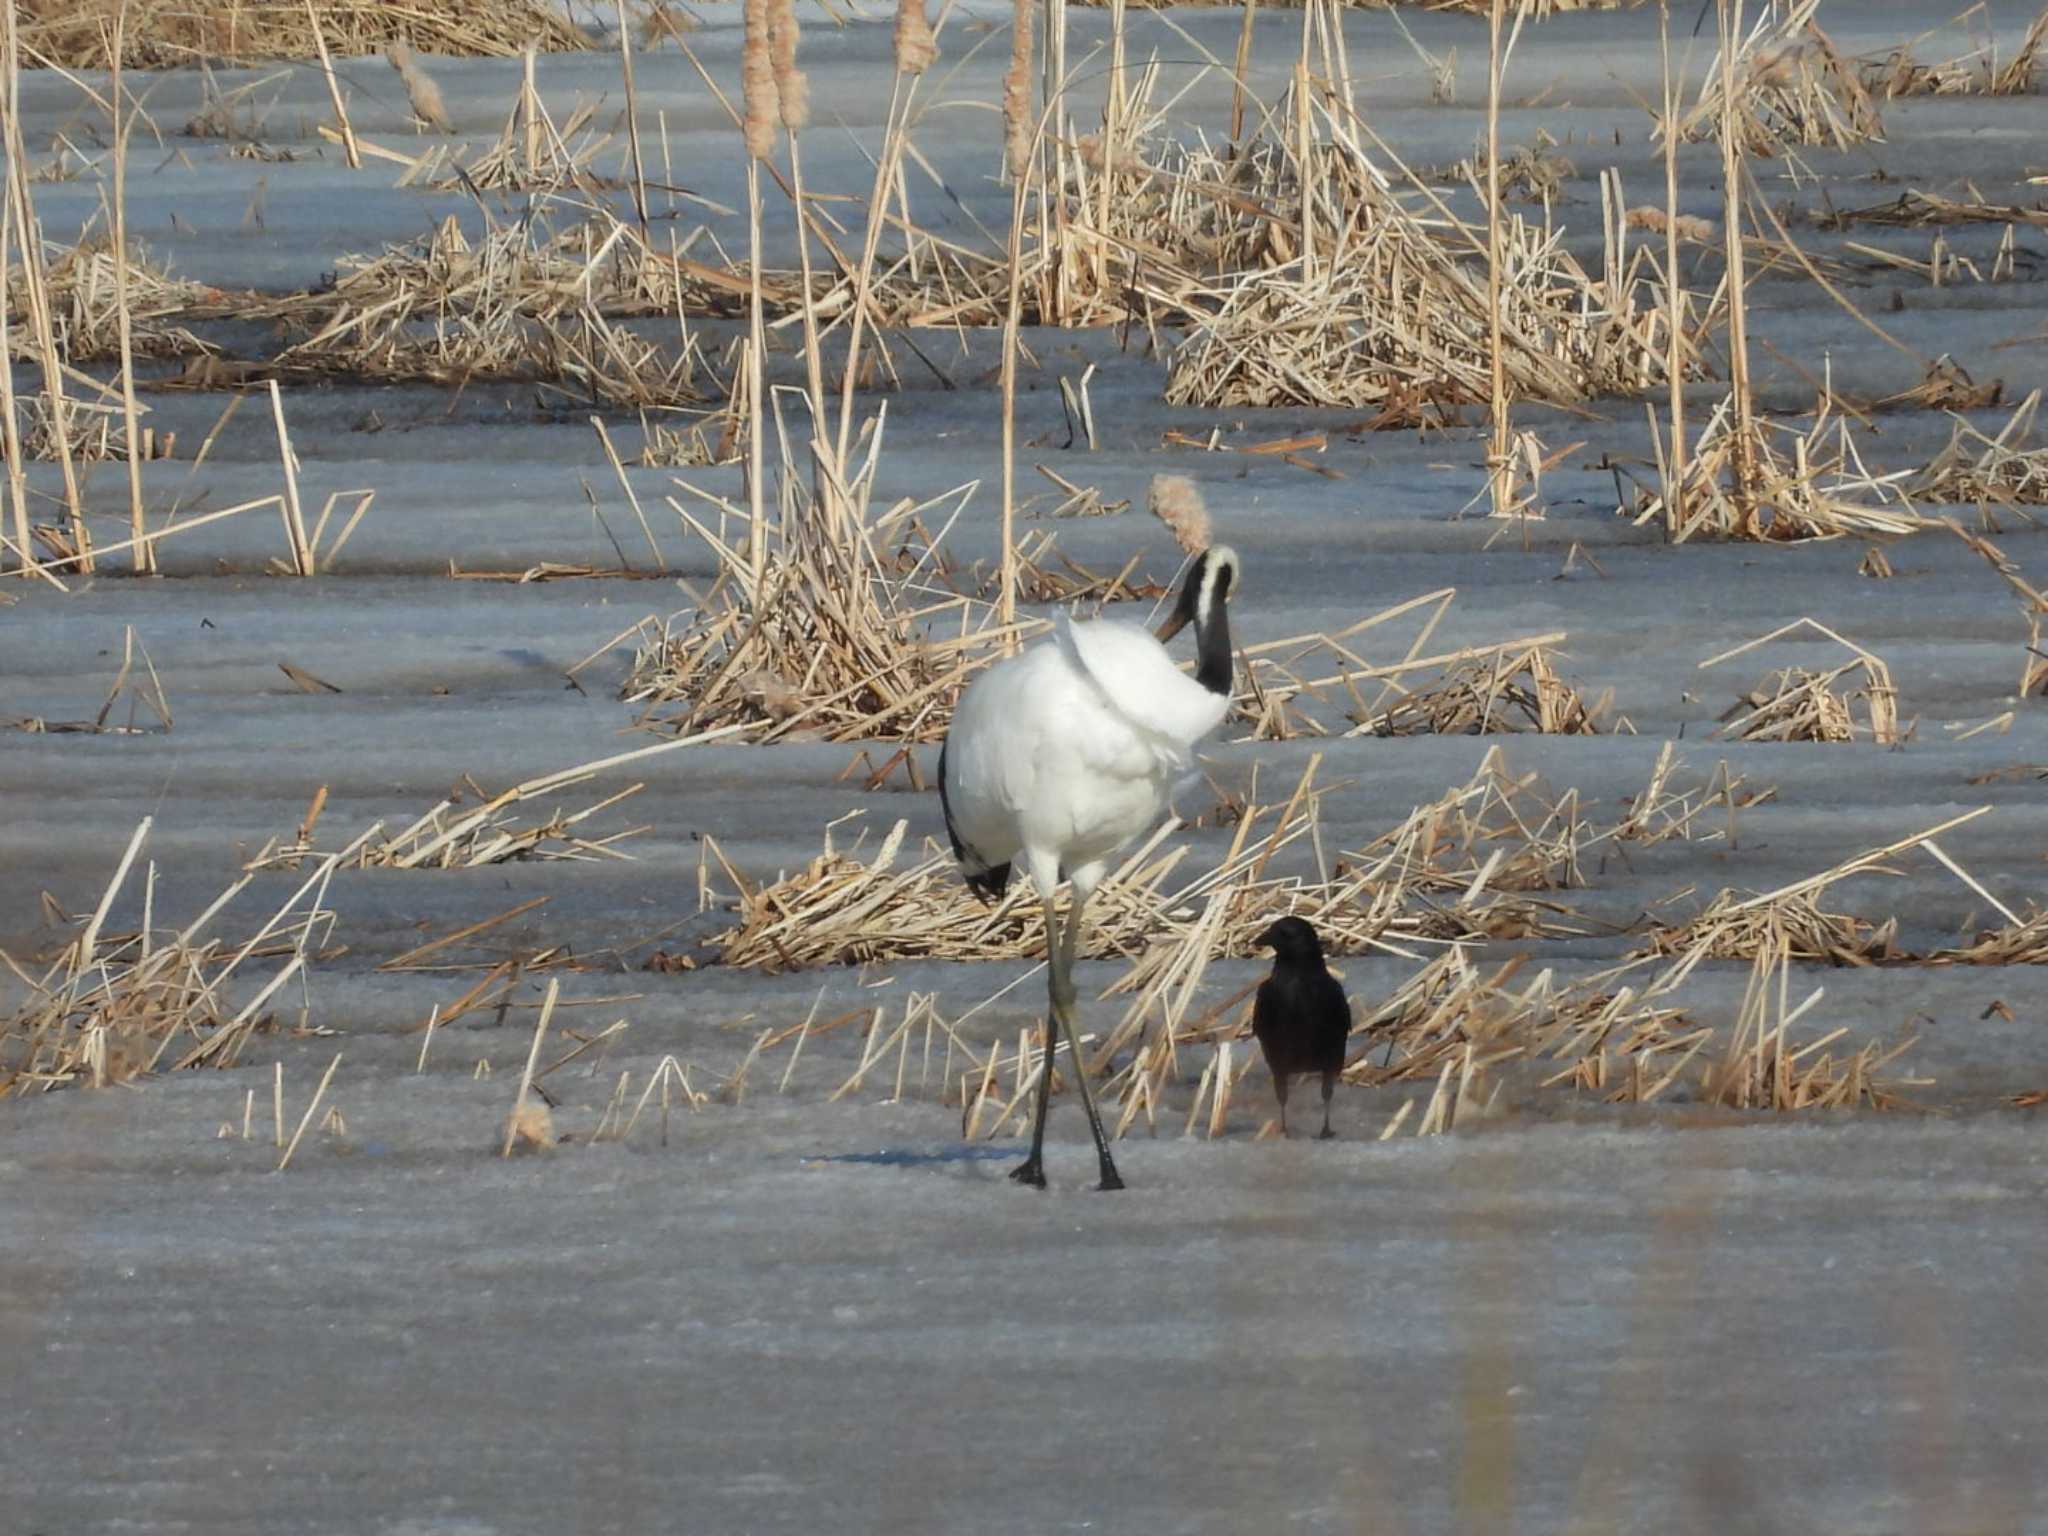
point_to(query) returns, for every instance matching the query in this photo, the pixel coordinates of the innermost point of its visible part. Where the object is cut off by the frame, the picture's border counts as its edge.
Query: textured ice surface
(800, 1313)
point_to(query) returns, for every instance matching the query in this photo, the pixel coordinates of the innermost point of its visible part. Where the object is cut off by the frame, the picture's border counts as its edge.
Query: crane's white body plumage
(1063, 756)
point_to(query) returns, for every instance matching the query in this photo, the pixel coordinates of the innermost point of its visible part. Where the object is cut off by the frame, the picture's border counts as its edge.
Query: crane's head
(1205, 593)
(1292, 939)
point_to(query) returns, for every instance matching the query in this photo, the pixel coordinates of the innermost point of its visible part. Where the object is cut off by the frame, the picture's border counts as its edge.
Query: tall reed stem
(143, 556)
(1674, 490)
(1744, 457)
(1497, 454)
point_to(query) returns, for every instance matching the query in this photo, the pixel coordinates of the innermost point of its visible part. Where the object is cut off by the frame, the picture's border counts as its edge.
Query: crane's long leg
(1062, 988)
(1032, 1170)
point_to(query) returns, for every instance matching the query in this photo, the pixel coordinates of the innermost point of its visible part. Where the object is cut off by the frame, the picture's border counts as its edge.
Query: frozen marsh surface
(788, 1308)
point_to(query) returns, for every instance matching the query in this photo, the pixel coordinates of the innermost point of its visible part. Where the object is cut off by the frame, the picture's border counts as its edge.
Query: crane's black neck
(1212, 648)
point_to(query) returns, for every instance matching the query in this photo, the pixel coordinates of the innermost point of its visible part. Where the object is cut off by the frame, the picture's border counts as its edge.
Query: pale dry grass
(112, 1007)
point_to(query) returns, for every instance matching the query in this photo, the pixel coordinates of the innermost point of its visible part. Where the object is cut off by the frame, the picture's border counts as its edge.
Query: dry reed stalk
(10, 419)
(143, 556)
(757, 74)
(1794, 704)
(540, 1029)
(294, 518)
(2016, 76)
(2033, 607)
(448, 837)
(1677, 465)
(312, 1106)
(792, 94)
(420, 90)
(632, 118)
(36, 292)
(350, 152)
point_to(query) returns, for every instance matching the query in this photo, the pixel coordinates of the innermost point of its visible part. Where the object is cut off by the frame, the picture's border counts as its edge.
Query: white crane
(1064, 756)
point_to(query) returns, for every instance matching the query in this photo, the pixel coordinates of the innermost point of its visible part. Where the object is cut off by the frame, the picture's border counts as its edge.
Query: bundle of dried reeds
(830, 637)
(1741, 484)
(1795, 704)
(1389, 304)
(111, 1007)
(1792, 87)
(82, 290)
(1761, 1068)
(164, 34)
(2005, 469)
(526, 301)
(451, 837)
(1734, 926)
(2021, 940)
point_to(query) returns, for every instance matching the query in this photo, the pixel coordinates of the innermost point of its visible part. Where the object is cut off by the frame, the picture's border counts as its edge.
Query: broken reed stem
(1744, 457)
(1237, 75)
(36, 292)
(143, 556)
(632, 122)
(349, 151)
(1497, 454)
(1674, 488)
(307, 1118)
(10, 427)
(792, 94)
(540, 1030)
(894, 132)
(294, 518)
(1006, 580)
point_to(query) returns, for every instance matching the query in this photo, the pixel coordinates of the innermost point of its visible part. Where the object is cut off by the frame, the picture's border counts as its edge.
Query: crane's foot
(1110, 1180)
(1326, 1134)
(1031, 1171)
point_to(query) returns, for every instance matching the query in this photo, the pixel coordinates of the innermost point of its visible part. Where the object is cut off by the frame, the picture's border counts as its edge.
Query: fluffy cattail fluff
(757, 77)
(1017, 89)
(792, 90)
(915, 48)
(531, 1127)
(1177, 502)
(1700, 231)
(420, 89)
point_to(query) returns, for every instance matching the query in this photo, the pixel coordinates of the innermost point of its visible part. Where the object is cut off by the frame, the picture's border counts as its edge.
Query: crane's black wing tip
(987, 884)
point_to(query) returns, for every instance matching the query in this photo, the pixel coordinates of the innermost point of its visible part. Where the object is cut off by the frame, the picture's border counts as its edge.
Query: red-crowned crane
(1062, 757)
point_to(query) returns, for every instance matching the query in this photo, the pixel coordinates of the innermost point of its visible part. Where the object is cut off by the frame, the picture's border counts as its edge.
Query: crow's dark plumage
(1302, 1017)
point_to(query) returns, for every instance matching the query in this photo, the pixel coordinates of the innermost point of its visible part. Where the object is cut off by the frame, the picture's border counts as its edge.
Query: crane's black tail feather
(987, 881)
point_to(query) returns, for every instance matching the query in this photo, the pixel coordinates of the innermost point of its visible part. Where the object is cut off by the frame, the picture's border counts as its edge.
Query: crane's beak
(1175, 623)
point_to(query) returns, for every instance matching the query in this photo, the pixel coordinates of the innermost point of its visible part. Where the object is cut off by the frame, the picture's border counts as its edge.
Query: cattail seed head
(792, 88)
(1017, 89)
(757, 80)
(420, 89)
(1177, 502)
(915, 46)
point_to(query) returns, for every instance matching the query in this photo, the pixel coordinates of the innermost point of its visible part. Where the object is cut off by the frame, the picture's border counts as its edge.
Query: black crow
(1302, 1017)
